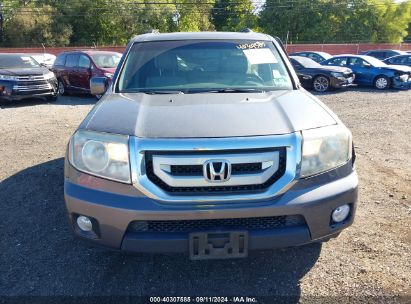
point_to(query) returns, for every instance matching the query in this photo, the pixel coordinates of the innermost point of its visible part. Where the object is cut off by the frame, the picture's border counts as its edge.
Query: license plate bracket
(218, 245)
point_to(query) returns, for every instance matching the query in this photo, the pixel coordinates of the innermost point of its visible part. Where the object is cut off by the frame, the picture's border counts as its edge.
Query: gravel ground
(38, 256)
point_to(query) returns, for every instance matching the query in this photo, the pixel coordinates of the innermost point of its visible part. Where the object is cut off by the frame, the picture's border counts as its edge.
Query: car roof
(400, 55)
(365, 57)
(200, 36)
(39, 54)
(15, 54)
(314, 52)
(89, 52)
(300, 57)
(384, 50)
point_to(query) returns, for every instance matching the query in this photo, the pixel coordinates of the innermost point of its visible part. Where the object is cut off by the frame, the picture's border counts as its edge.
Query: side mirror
(98, 85)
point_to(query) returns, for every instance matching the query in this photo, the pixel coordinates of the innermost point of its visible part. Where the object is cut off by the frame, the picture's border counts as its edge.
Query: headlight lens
(7, 77)
(49, 75)
(404, 77)
(324, 149)
(337, 74)
(101, 154)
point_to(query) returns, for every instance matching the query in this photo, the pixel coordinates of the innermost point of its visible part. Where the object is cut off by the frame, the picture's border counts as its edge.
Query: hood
(334, 69)
(401, 68)
(24, 71)
(208, 114)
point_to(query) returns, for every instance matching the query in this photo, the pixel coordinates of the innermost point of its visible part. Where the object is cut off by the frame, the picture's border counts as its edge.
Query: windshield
(306, 62)
(105, 61)
(17, 62)
(203, 65)
(374, 61)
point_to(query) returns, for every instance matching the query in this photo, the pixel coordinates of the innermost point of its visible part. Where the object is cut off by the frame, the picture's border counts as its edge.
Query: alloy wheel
(61, 88)
(321, 84)
(381, 83)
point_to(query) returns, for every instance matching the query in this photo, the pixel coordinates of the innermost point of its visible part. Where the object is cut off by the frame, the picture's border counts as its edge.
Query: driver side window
(314, 57)
(340, 61)
(358, 62)
(84, 62)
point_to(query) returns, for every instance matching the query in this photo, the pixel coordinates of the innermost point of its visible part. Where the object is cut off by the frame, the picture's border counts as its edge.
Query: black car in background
(399, 60)
(22, 77)
(321, 78)
(316, 56)
(383, 54)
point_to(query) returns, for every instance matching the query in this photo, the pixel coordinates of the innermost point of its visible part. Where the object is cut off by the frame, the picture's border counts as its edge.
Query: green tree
(233, 15)
(337, 21)
(193, 15)
(31, 26)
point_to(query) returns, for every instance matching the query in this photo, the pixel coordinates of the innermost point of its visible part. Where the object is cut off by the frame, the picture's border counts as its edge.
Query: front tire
(382, 82)
(321, 84)
(61, 88)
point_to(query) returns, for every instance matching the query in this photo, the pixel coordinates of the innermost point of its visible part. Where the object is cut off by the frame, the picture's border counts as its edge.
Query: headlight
(7, 77)
(101, 154)
(337, 75)
(324, 149)
(49, 75)
(109, 75)
(404, 77)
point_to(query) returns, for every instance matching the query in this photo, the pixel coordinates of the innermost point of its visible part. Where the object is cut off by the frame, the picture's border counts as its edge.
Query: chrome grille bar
(30, 78)
(162, 168)
(32, 87)
(139, 146)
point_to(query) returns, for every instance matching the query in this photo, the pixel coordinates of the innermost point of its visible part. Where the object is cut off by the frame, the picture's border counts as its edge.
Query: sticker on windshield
(255, 45)
(260, 56)
(276, 74)
(25, 58)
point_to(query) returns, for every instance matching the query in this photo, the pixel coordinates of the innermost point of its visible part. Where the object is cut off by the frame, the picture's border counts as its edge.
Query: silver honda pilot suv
(205, 143)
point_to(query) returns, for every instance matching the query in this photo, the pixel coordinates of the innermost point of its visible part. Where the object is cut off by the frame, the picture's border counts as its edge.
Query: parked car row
(74, 70)
(321, 71)
(45, 75)
(32, 75)
(23, 77)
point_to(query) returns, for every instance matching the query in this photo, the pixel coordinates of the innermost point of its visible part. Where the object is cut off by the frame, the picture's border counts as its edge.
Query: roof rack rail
(153, 31)
(246, 30)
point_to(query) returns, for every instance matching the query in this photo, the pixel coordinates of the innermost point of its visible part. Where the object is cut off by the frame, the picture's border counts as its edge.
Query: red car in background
(74, 69)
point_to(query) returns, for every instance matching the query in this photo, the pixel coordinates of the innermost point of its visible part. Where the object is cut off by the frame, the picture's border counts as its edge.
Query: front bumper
(114, 206)
(12, 90)
(402, 85)
(342, 82)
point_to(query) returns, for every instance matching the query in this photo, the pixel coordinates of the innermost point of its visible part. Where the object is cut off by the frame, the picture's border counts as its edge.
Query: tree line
(114, 22)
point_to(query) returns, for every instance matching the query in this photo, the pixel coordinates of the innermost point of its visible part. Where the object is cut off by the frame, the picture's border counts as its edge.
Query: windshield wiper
(231, 90)
(154, 92)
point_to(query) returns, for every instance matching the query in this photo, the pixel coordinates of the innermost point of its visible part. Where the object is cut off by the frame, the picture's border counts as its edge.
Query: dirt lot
(38, 256)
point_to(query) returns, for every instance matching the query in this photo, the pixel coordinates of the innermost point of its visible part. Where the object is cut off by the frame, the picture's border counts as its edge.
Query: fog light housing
(84, 223)
(340, 213)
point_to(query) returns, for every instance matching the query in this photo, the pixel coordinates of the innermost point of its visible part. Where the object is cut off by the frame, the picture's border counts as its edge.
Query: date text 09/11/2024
(214, 299)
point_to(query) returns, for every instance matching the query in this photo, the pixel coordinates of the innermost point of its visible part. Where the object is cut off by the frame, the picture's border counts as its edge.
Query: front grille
(32, 85)
(30, 78)
(248, 224)
(195, 170)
